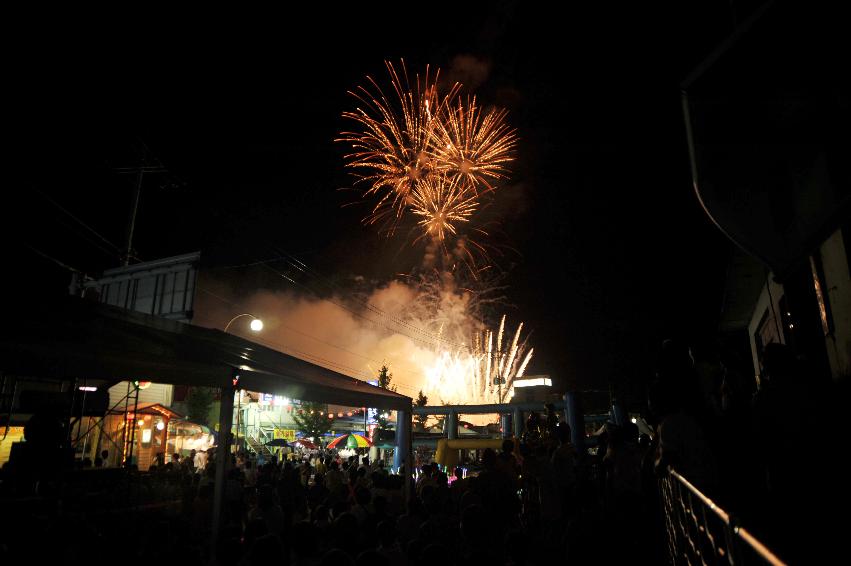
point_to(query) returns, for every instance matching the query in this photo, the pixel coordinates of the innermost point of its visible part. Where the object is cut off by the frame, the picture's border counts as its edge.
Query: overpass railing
(701, 532)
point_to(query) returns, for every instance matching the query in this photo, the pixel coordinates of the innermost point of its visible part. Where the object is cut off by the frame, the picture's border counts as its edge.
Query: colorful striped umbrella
(350, 441)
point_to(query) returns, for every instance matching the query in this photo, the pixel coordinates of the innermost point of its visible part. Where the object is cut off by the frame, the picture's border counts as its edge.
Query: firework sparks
(391, 153)
(435, 158)
(472, 146)
(441, 204)
(484, 374)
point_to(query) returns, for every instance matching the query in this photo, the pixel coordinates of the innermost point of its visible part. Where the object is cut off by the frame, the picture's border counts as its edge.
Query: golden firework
(473, 146)
(391, 152)
(482, 374)
(440, 205)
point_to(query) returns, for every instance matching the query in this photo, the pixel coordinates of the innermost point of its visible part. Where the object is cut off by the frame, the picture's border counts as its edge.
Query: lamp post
(256, 325)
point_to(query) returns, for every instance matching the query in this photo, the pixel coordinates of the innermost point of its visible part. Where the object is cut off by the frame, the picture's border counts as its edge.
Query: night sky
(613, 250)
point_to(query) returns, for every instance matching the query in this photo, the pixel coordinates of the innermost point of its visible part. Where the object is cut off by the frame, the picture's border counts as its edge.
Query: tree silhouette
(384, 379)
(198, 405)
(312, 420)
(421, 401)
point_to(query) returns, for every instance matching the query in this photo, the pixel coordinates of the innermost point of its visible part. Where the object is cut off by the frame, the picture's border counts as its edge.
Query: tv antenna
(148, 163)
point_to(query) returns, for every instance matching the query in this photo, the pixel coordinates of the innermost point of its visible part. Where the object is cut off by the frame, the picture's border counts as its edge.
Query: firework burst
(441, 204)
(391, 152)
(433, 160)
(473, 147)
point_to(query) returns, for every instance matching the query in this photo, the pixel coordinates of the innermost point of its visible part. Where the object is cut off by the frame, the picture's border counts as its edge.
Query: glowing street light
(256, 324)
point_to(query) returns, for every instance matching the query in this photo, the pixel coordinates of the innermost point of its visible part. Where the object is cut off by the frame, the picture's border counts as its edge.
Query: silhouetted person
(797, 483)
(677, 405)
(564, 462)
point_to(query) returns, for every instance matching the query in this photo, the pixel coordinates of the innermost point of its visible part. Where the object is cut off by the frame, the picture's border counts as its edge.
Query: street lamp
(256, 324)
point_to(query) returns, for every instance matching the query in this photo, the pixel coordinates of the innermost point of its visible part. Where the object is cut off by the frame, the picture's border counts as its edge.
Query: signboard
(287, 434)
(14, 431)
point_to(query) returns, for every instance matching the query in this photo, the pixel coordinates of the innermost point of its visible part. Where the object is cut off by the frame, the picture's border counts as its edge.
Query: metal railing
(701, 532)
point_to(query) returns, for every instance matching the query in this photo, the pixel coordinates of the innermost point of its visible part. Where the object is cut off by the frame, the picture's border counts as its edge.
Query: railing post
(576, 420)
(517, 425)
(452, 425)
(618, 413)
(505, 425)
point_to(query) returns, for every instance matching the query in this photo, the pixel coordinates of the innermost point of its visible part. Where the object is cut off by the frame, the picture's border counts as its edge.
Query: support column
(505, 425)
(576, 420)
(618, 413)
(518, 423)
(222, 456)
(402, 454)
(452, 425)
(403, 439)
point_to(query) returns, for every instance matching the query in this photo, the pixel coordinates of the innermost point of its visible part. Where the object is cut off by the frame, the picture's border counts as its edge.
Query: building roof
(77, 338)
(148, 409)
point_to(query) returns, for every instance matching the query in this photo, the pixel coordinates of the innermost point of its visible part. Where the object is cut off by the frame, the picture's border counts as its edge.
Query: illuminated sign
(287, 434)
(531, 382)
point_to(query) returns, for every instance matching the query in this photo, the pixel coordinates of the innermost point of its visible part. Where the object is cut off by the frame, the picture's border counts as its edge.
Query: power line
(335, 346)
(250, 264)
(88, 240)
(53, 259)
(304, 268)
(352, 311)
(299, 265)
(80, 222)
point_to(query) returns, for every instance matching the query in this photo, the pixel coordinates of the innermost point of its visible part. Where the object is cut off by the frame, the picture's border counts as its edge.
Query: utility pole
(144, 167)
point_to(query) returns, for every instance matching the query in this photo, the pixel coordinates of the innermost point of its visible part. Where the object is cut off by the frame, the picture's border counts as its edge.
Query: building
(767, 126)
(533, 388)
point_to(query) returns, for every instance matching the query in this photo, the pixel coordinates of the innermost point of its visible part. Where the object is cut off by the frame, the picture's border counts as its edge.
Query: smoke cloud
(469, 70)
(352, 337)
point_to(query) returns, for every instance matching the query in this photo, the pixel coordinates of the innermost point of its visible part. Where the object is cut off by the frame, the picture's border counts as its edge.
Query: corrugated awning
(78, 338)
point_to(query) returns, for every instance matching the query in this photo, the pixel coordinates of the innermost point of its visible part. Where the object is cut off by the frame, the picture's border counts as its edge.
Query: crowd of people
(756, 447)
(536, 500)
(532, 501)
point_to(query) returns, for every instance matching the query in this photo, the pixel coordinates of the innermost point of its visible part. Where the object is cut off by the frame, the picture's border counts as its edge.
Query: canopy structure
(75, 339)
(78, 338)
